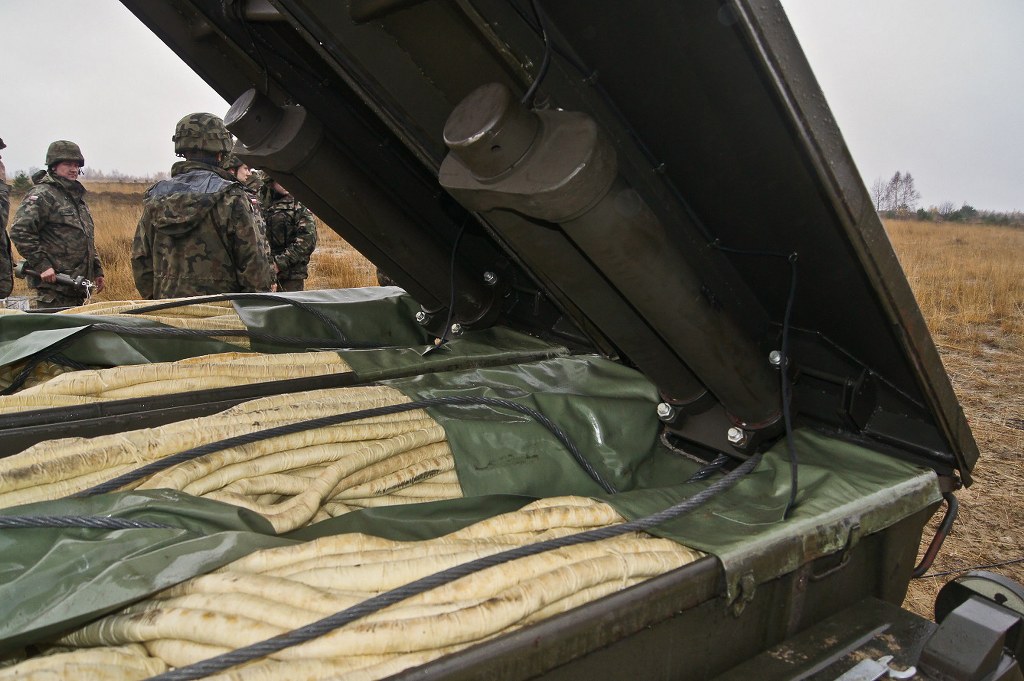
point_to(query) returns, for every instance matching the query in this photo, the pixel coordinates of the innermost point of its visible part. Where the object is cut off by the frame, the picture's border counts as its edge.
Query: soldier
(53, 230)
(6, 269)
(241, 172)
(291, 231)
(198, 233)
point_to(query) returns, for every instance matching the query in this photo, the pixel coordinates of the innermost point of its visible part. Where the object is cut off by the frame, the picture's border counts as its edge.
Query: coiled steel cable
(336, 419)
(383, 600)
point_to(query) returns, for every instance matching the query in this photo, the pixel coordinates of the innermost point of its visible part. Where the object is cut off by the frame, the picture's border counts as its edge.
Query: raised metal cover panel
(706, 191)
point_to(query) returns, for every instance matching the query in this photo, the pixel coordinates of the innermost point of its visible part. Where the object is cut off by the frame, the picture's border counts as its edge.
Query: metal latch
(871, 670)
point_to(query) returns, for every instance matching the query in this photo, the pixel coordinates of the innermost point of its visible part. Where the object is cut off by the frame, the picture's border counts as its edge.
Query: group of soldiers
(214, 227)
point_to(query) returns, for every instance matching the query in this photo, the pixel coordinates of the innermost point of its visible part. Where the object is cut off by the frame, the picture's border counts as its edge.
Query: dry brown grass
(969, 282)
(117, 206)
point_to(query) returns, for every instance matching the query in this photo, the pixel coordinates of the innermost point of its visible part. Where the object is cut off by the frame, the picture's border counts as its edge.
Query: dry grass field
(969, 282)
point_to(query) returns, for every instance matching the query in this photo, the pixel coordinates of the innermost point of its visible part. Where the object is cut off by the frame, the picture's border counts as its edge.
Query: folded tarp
(379, 315)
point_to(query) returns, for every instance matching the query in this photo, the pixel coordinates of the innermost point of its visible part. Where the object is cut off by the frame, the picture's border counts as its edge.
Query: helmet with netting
(201, 132)
(63, 150)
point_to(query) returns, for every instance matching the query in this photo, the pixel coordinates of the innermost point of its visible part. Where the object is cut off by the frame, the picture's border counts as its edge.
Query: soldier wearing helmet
(291, 231)
(6, 269)
(251, 181)
(54, 231)
(198, 233)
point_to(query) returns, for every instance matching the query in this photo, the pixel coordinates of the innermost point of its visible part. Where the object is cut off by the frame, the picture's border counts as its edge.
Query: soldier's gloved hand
(99, 284)
(273, 287)
(48, 275)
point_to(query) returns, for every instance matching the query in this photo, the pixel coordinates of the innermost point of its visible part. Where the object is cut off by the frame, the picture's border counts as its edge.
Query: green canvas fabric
(55, 579)
(384, 316)
(504, 460)
(23, 335)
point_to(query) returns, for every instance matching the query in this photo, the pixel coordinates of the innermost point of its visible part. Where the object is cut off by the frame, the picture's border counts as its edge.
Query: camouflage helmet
(232, 161)
(63, 150)
(201, 132)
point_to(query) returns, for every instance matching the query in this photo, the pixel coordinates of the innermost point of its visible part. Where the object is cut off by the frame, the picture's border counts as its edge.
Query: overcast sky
(933, 87)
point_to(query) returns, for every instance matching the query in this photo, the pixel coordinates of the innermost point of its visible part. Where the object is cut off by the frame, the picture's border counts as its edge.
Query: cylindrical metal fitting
(490, 132)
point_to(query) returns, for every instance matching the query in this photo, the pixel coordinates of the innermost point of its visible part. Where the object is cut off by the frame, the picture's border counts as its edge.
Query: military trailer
(636, 267)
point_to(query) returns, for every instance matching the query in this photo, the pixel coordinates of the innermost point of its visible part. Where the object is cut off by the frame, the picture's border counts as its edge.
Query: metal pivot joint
(560, 168)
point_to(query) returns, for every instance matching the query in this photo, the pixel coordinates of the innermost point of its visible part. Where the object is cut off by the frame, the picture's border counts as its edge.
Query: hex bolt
(421, 317)
(490, 278)
(736, 436)
(666, 411)
(456, 329)
(775, 358)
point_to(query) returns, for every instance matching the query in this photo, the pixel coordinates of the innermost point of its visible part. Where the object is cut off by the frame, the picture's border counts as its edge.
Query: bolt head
(490, 278)
(775, 358)
(421, 317)
(456, 329)
(736, 436)
(665, 411)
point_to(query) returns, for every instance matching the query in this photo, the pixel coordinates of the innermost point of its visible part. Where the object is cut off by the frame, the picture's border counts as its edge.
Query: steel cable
(83, 521)
(383, 600)
(324, 319)
(152, 332)
(337, 419)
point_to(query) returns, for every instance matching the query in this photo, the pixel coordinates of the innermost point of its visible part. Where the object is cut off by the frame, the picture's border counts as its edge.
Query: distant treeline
(22, 180)
(897, 198)
(966, 213)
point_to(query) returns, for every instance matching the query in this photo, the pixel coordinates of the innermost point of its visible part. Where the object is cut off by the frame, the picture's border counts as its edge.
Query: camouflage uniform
(252, 190)
(53, 228)
(291, 231)
(198, 235)
(6, 271)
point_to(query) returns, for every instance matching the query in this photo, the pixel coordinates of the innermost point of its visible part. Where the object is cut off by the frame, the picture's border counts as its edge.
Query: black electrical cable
(83, 521)
(336, 419)
(451, 292)
(986, 566)
(383, 600)
(545, 63)
(717, 464)
(787, 392)
(785, 387)
(309, 309)
(252, 41)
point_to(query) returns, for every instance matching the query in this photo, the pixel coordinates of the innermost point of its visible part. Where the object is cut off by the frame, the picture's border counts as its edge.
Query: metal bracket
(744, 593)
(852, 539)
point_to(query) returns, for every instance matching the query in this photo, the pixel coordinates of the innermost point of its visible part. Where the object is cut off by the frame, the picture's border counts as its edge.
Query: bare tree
(907, 195)
(896, 195)
(880, 194)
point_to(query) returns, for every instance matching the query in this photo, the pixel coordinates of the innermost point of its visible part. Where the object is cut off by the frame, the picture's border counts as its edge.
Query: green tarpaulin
(52, 579)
